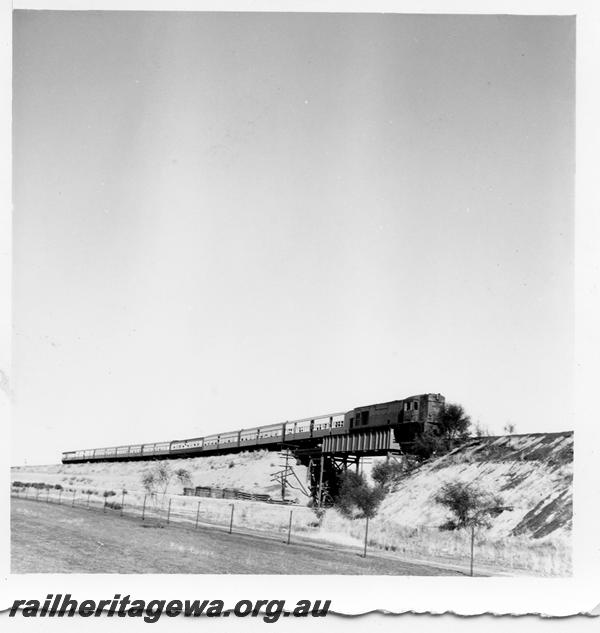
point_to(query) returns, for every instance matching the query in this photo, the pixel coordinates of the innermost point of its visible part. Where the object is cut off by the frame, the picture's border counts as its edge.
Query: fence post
(104, 506)
(122, 501)
(73, 503)
(47, 495)
(231, 520)
(144, 508)
(472, 545)
(88, 501)
(169, 512)
(37, 493)
(197, 514)
(59, 496)
(290, 527)
(366, 537)
(27, 492)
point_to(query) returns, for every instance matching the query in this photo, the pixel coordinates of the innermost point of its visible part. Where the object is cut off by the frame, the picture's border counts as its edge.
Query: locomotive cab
(419, 414)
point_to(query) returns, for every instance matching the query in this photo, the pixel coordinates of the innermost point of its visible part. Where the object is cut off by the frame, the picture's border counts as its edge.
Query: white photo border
(354, 595)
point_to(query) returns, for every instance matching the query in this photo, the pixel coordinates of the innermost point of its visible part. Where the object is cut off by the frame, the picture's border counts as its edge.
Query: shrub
(390, 473)
(356, 498)
(183, 477)
(429, 444)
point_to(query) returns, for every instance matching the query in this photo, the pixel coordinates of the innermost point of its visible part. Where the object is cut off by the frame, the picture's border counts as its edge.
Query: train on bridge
(405, 419)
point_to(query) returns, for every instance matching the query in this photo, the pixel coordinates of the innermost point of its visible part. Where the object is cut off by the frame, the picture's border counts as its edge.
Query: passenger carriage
(303, 429)
(270, 434)
(211, 443)
(187, 446)
(229, 440)
(248, 437)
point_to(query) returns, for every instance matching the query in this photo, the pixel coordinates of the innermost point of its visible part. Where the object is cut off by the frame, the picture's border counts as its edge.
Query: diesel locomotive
(407, 418)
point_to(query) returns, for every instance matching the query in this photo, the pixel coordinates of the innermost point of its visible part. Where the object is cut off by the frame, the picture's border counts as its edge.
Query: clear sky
(227, 220)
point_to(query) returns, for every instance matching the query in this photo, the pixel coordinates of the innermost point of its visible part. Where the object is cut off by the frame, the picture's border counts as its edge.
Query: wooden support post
(37, 493)
(231, 520)
(197, 514)
(290, 527)
(104, 506)
(320, 492)
(88, 501)
(366, 537)
(47, 495)
(27, 492)
(73, 502)
(169, 512)
(59, 496)
(122, 501)
(144, 508)
(284, 475)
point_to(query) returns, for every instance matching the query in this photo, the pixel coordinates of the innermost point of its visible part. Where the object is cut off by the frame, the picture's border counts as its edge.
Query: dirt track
(60, 539)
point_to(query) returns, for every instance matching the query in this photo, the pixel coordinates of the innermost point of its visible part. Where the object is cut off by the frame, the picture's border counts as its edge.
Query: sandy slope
(532, 474)
(250, 472)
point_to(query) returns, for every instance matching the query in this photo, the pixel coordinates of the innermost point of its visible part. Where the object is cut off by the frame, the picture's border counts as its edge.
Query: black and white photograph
(293, 295)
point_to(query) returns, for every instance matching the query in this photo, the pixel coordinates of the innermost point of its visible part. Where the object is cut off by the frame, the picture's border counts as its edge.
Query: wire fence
(247, 518)
(290, 525)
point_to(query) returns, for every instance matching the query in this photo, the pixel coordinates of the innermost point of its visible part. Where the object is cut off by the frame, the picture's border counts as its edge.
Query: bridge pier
(324, 474)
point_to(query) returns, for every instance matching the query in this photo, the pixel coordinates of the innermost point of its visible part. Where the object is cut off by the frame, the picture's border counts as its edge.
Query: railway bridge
(329, 460)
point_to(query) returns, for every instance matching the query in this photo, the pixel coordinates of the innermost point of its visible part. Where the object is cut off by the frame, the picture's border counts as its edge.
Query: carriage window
(415, 406)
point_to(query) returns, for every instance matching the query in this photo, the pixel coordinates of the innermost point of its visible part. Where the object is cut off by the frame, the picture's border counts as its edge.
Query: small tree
(357, 499)
(510, 428)
(480, 430)
(156, 480)
(453, 423)
(469, 505)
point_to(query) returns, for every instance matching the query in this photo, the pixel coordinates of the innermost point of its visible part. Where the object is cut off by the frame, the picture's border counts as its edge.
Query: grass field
(48, 538)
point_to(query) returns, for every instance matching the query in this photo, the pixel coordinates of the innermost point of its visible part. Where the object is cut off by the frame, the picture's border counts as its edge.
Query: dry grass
(48, 538)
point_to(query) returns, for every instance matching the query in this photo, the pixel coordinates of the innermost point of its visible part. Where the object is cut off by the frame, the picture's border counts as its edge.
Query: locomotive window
(364, 418)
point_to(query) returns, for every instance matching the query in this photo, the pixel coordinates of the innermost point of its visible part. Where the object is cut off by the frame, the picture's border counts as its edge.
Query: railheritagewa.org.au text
(122, 606)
